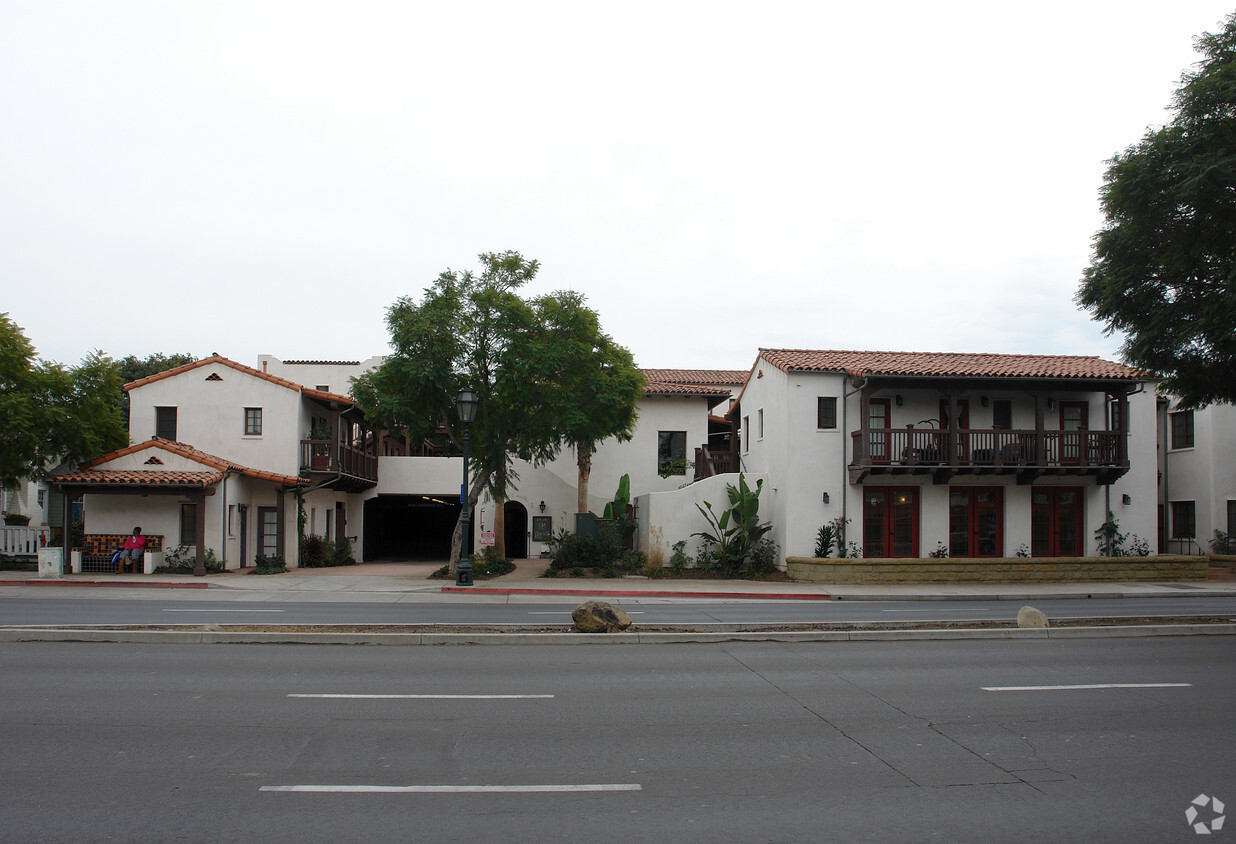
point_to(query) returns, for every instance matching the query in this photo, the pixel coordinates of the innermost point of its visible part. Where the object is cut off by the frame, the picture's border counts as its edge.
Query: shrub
(313, 552)
(825, 538)
(570, 550)
(737, 529)
(763, 557)
(273, 564)
(339, 553)
(679, 559)
(940, 553)
(1112, 541)
(182, 560)
(1222, 544)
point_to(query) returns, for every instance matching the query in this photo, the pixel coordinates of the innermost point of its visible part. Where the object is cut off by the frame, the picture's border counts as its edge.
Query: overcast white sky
(268, 177)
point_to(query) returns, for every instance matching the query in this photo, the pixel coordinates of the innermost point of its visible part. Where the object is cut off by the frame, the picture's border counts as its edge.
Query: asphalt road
(905, 741)
(187, 607)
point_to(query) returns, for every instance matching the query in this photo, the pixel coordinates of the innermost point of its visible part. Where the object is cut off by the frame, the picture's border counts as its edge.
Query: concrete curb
(637, 593)
(222, 637)
(123, 584)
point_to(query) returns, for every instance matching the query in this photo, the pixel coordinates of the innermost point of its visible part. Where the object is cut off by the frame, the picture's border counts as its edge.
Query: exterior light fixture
(542, 506)
(897, 398)
(826, 498)
(1126, 499)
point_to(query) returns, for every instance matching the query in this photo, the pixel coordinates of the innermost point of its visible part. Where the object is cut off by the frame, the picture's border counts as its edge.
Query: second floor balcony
(356, 468)
(1026, 454)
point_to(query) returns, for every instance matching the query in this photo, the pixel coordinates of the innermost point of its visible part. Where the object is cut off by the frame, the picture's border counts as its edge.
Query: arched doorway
(515, 518)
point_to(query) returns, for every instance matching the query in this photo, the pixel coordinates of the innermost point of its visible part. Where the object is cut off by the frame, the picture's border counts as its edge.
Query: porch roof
(139, 478)
(218, 464)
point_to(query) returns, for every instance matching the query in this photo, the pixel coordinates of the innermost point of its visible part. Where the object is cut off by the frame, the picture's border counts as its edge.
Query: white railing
(23, 541)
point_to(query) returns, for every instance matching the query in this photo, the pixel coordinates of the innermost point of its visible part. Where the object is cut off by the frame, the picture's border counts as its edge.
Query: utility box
(589, 526)
(51, 562)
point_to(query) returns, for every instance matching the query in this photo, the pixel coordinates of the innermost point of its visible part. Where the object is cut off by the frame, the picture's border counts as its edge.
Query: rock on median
(1030, 617)
(600, 617)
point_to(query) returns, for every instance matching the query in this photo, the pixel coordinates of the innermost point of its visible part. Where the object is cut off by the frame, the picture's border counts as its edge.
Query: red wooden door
(879, 419)
(1074, 422)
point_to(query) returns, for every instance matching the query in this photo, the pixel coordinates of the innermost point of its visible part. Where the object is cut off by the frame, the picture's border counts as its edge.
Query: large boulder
(1030, 617)
(600, 617)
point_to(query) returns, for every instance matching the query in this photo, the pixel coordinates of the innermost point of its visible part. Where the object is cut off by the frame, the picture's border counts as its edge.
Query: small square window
(826, 412)
(253, 421)
(165, 423)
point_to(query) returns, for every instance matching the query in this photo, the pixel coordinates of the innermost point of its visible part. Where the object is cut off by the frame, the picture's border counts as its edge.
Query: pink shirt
(137, 541)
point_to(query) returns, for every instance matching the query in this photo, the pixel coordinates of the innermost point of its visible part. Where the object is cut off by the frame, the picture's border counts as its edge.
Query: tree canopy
(528, 360)
(51, 413)
(1163, 271)
(133, 368)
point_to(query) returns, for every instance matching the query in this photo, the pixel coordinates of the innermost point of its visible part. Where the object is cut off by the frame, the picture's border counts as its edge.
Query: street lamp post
(466, 406)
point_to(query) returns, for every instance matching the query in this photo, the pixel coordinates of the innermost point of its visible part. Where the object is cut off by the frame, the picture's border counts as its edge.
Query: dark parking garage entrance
(410, 527)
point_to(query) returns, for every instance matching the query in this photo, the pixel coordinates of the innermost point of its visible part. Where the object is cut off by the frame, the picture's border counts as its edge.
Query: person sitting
(134, 548)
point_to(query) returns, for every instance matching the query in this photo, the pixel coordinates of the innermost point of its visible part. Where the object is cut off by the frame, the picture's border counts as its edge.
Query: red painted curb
(641, 593)
(137, 583)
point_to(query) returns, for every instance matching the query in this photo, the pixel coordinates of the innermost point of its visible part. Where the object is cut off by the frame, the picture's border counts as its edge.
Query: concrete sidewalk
(353, 582)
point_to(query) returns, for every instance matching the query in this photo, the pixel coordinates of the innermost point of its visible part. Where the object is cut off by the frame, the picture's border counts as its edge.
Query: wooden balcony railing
(333, 458)
(1031, 452)
(709, 462)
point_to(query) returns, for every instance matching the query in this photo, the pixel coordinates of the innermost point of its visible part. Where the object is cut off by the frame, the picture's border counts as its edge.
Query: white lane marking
(224, 611)
(1087, 686)
(979, 609)
(453, 789)
(426, 697)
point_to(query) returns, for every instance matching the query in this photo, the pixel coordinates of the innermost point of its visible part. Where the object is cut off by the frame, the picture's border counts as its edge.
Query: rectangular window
(759, 415)
(976, 521)
(1184, 520)
(1231, 518)
(826, 412)
(253, 421)
(1002, 414)
(231, 520)
(746, 433)
(165, 423)
(671, 453)
(1182, 429)
(1114, 420)
(188, 523)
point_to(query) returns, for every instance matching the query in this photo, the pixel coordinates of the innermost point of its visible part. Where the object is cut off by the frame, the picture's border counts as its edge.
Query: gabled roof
(239, 367)
(88, 474)
(699, 377)
(950, 365)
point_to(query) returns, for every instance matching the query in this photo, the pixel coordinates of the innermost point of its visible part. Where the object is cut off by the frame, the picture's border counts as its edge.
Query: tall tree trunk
(500, 514)
(474, 494)
(583, 457)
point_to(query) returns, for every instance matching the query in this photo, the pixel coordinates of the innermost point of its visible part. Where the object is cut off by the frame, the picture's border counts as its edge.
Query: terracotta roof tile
(701, 377)
(139, 478)
(240, 367)
(198, 456)
(950, 365)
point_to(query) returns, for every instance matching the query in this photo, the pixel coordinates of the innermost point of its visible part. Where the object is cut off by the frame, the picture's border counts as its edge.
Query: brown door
(1056, 522)
(963, 423)
(890, 522)
(879, 421)
(1074, 422)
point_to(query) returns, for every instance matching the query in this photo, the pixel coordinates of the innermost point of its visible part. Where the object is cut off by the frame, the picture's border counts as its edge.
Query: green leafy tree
(1164, 265)
(591, 385)
(475, 330)
(133, 368)
(49, 412)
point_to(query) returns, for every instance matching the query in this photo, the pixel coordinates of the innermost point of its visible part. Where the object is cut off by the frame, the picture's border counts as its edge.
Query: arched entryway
(515, 518)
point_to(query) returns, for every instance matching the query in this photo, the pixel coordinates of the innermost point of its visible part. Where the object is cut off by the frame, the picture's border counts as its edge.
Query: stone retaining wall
(996, 570)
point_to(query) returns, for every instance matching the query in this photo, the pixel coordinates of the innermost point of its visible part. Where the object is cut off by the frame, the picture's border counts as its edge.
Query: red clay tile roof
(139, 478)
(950, 365)
(239, 367)
(187, 451)
(699, 377)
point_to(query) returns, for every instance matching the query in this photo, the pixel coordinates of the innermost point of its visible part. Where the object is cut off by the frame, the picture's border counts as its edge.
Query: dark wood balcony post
(1040, 422)
(952, 444)
(1122, 440)
(864, 420)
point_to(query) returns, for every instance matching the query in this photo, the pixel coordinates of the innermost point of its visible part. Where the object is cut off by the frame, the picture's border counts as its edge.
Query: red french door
(879, 419)
(1074, 422)
(890, 521)
(1056, 522)
(976, 521)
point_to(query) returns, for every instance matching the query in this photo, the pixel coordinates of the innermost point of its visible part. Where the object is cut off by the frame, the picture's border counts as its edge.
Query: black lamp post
(466, 406)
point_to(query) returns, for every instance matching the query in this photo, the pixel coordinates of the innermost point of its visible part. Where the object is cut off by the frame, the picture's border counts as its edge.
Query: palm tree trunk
(583, 457)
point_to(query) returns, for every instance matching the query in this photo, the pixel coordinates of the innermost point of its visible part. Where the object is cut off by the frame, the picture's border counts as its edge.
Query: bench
(96, 550)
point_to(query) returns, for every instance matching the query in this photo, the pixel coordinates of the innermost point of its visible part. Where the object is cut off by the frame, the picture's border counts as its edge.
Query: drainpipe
(846, 440)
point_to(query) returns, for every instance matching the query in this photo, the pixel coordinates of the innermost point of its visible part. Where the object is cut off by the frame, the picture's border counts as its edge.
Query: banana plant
(735, 532)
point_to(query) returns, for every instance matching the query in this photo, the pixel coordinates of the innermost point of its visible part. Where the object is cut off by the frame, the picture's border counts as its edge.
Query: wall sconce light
(542, 506)
(826, 498)
(1126, 499)
(1051, 404)
(983, 401)
(897, 398)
